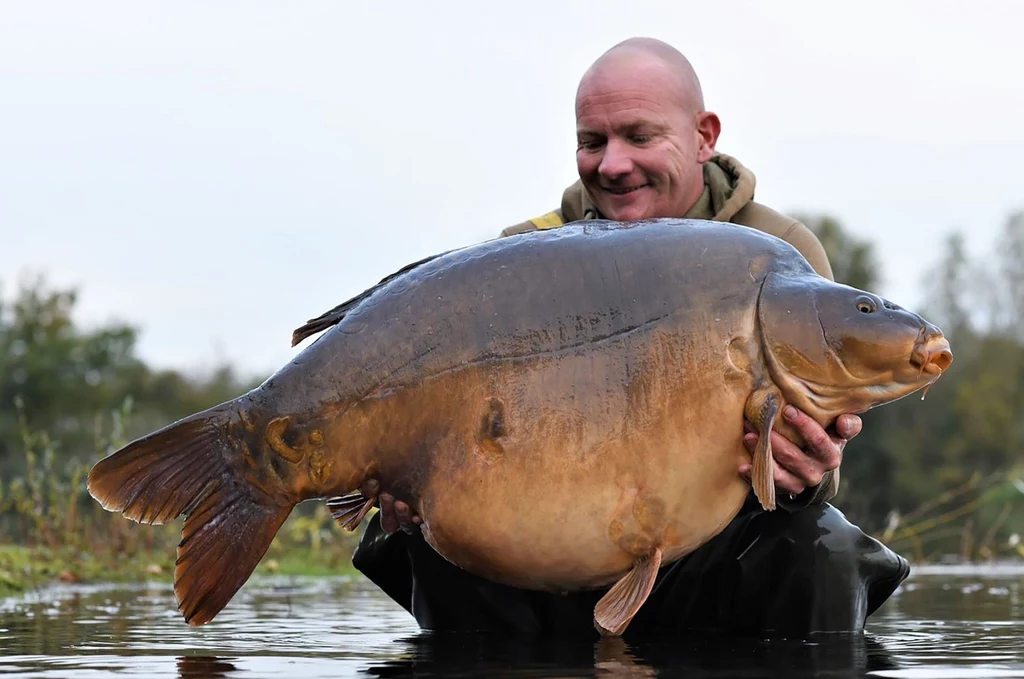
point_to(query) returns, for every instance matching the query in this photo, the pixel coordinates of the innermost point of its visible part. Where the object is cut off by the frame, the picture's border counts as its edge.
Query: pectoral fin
(762, 409)
(616, 609)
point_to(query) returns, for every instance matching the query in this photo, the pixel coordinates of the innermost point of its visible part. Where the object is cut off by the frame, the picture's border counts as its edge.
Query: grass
(51, 530)
(24, 568)
(309, 544)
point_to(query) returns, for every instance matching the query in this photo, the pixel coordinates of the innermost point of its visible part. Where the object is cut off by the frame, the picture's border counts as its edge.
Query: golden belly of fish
(561, 471)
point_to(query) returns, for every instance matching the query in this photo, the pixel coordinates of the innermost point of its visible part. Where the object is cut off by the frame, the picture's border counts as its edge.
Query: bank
(24, 568)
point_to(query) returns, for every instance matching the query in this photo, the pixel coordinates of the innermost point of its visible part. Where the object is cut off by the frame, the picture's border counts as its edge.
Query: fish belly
(590, 467)
(575, 531)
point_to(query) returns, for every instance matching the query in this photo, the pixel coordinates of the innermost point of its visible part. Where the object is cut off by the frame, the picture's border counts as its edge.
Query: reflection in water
(204, 666)
(459, 656)
(944, 625)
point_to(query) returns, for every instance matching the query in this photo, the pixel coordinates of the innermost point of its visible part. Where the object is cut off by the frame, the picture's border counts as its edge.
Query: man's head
(643, 135)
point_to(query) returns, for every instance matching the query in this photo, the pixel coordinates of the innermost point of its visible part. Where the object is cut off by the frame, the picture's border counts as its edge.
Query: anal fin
(616, 609)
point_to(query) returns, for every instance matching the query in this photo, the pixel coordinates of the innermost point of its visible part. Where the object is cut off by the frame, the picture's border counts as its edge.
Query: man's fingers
(796, 469)
(787, 482)
(784, 480)
(750, 441)
(370, 488)
(808, 469)
(388, 519)
(819, 444)
(404, 514)
(848, 426)
(817, 438)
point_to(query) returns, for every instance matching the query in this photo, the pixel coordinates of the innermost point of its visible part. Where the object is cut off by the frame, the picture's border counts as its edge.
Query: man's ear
(708, 127)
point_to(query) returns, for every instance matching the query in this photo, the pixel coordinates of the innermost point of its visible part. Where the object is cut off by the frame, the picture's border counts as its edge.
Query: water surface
(945, 622)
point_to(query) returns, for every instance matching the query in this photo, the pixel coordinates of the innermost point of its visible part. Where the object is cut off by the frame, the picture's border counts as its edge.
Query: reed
(948, 526)
(51, 528)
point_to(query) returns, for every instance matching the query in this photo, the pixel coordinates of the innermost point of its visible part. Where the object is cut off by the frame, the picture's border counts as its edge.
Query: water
(940, 623)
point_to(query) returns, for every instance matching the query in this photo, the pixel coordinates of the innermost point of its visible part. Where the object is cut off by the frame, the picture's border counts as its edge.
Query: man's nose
(616, 161)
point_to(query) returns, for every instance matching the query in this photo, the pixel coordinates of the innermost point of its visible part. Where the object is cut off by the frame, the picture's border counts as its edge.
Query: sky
(214, 174)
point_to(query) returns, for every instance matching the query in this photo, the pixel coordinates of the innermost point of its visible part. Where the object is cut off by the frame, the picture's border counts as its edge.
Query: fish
(563, 409)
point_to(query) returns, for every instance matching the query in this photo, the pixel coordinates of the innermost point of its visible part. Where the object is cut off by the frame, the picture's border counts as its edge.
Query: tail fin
(183, 469)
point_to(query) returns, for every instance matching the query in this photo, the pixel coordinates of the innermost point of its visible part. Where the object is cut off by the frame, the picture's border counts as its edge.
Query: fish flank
(379, 391)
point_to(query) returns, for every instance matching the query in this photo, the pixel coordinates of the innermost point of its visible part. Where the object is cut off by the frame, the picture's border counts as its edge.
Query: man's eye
(589, 144)
(640, 138)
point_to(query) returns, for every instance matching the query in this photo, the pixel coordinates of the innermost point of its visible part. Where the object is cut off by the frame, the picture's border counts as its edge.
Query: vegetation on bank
(935, 479)
(55, 531)
(23, 568)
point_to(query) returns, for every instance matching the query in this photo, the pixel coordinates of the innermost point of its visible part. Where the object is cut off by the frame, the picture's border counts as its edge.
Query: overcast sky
(217, 173)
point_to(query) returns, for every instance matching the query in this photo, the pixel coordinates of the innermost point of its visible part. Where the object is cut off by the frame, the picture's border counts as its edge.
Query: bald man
(646, 149)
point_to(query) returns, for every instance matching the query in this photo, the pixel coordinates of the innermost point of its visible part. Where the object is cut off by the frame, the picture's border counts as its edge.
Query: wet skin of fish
(599, 373)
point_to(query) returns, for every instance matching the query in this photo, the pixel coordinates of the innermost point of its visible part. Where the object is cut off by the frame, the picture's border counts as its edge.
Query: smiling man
(642, 133)
(646, 149)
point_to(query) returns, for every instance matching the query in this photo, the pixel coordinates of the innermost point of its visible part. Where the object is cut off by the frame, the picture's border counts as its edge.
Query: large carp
(599, 374)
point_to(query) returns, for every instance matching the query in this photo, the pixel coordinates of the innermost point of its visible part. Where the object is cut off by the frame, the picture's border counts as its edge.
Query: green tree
(948, 287)
(1010, 255)
(65, 376)
(853, 260)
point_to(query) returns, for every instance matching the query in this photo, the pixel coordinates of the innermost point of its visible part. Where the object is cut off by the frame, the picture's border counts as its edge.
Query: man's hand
(797, 470)
(396, 514)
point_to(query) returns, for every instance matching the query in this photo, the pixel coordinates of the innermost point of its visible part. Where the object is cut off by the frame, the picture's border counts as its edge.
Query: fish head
(835, 349)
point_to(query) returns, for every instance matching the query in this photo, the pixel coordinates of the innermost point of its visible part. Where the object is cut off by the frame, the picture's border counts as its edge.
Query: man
(645, 149)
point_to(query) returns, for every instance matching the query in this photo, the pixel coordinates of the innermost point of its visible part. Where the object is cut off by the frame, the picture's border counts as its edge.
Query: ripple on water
(937, 625)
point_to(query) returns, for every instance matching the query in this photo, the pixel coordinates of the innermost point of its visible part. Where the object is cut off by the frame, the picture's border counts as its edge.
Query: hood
(728, 187)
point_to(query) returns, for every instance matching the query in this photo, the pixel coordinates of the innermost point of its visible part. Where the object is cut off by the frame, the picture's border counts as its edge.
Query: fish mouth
(932, 356)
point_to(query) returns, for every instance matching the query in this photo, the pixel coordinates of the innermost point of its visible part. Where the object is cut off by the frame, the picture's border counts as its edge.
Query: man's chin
(624, 207)
(628, 215)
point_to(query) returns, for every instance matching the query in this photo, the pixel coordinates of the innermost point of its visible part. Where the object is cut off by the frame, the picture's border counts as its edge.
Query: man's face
(640, 152)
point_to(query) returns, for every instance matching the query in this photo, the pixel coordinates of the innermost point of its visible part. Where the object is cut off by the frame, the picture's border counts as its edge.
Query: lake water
(941, 623)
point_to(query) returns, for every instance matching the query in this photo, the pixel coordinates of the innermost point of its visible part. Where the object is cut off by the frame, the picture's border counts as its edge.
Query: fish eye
(866, 305)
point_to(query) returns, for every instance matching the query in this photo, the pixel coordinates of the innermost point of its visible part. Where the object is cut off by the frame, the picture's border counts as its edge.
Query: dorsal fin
(332, 317)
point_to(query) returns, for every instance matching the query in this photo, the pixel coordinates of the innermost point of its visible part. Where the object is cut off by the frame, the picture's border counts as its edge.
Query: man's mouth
(622, 190)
